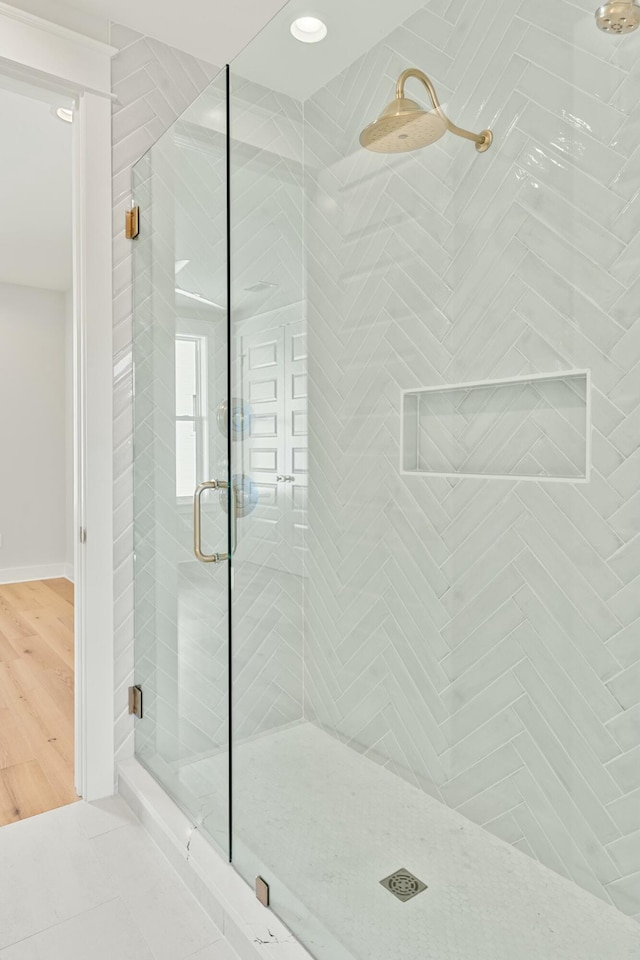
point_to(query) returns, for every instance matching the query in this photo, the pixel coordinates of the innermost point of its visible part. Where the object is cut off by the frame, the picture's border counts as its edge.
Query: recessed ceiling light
(64, 113)
(309, 29)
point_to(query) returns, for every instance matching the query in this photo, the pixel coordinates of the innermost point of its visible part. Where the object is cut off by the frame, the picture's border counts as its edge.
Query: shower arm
(480, 139)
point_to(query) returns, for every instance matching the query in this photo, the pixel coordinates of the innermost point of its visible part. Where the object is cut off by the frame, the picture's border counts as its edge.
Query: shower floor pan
(324, 825)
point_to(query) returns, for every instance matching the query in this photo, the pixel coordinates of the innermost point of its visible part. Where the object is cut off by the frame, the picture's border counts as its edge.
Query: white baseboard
(45, 571)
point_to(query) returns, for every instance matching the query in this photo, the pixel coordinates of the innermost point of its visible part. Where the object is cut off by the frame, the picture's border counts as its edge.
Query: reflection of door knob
(285, 479)
(240, 418)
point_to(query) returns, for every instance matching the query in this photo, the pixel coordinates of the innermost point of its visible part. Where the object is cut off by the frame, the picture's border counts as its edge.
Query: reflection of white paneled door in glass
(273, 374)
(191, 412)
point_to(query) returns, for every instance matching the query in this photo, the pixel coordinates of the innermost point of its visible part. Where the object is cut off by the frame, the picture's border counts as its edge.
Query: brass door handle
(197, 521)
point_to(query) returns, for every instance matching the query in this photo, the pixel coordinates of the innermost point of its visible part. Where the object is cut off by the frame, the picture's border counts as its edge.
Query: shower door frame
(45, 54)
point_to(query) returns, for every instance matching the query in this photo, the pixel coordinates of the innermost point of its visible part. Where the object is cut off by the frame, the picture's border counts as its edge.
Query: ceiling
(278, 62)
(218, 30)
(214, 30)
(35, 190)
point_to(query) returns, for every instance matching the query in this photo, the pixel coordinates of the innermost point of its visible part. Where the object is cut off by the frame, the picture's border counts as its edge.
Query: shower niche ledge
(535, 427)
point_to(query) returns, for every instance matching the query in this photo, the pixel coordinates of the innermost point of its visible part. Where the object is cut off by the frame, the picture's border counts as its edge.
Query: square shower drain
(403, 885)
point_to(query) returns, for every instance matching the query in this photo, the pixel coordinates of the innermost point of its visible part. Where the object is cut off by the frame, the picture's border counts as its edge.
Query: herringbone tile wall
(153, 84)
(267, 270)
(481, 637)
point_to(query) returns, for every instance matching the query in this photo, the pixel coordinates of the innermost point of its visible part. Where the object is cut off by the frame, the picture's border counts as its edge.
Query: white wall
(33, 433)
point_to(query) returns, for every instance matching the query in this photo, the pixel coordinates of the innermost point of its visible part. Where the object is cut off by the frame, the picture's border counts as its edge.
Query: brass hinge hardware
(262, 891)
(135, 701)
(132, 223)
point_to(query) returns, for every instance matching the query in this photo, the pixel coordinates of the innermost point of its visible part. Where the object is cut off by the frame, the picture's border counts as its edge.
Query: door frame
(56, 58)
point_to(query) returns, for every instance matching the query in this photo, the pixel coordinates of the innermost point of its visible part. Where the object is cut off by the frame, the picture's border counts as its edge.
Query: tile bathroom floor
(87, 881)
(348, 823)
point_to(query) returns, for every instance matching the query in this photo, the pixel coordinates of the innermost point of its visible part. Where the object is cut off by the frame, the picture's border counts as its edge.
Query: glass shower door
(181, 471)
(274, 764)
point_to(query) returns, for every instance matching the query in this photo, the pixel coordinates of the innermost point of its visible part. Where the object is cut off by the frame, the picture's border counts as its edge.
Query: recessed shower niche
(535, 427)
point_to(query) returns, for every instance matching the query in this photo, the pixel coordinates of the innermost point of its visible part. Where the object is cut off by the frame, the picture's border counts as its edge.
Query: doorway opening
(37, 440)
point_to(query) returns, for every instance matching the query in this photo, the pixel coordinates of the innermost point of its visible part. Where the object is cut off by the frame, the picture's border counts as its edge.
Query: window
(191, 413)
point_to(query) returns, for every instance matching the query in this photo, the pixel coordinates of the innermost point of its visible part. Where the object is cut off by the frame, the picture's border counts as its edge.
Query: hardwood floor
(36, 698)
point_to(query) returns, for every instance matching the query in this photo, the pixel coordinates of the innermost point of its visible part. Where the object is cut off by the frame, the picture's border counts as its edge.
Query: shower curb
(254, 932)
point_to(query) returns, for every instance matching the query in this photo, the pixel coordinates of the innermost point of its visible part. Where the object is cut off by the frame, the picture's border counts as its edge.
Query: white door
(274, 453)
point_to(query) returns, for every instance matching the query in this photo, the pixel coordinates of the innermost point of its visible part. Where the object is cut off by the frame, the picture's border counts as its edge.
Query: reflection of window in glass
(191, 413)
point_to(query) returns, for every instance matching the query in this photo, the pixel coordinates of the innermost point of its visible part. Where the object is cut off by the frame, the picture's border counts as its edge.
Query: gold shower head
(405, 126)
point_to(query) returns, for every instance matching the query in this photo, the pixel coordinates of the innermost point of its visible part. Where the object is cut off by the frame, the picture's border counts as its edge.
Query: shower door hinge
(132, 223)
(262, 891)
(135, 701)
(82, 535)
